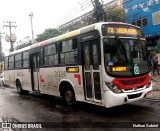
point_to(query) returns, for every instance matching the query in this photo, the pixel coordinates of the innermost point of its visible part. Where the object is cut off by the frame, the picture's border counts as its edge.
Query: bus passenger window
(18, 61)
(50, 55)
(68, 52)
(11, 62)
(25, 59)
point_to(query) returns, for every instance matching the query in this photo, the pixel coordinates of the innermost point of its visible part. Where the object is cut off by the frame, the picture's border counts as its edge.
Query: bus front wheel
(69, 97)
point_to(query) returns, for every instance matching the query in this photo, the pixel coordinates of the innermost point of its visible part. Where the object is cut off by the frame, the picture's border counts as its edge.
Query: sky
(46, 14)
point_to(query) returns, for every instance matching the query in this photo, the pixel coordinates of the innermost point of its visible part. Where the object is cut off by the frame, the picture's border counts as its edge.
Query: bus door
(35, 71)
(91, 70)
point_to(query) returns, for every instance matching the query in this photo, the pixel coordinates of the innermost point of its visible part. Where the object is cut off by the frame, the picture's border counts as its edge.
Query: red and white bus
(103, 64)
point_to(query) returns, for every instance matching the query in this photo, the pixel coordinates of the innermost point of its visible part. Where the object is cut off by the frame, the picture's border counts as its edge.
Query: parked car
(2, 78)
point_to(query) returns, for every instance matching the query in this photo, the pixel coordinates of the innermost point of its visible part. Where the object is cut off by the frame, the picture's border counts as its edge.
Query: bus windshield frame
(125, 56)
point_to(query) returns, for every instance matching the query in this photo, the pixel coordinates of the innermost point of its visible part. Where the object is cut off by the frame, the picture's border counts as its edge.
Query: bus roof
(68, 35)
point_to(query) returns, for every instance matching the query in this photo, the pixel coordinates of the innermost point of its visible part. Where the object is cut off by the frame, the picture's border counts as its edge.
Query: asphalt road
(33, 108)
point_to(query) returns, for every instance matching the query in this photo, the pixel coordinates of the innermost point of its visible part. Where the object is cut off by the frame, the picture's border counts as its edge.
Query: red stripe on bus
(42, 80)
(78, 76)
(127, 83)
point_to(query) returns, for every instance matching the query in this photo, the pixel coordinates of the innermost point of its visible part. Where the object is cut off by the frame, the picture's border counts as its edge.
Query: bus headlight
(113, 87)
(149, 83)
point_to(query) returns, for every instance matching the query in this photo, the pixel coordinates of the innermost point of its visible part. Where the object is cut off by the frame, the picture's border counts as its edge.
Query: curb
(153, 99)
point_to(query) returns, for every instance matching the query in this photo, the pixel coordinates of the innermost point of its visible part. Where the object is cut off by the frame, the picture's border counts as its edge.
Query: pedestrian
(149, 60)
(155, 64)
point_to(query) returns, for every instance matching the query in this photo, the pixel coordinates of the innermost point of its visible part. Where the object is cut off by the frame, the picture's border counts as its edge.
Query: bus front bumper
(112, 99)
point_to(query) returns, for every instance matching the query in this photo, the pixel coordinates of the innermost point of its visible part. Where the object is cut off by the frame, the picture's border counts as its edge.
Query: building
(145, 14)
(87, 18)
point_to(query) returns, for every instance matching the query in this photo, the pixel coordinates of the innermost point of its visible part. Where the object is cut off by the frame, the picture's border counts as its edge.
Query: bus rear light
(113, 87)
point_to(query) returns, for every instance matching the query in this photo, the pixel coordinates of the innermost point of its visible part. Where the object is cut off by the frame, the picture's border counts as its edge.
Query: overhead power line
(71, 14)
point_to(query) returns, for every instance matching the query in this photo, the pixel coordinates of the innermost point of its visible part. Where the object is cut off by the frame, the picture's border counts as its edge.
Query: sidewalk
(155, 78)
(156, 87)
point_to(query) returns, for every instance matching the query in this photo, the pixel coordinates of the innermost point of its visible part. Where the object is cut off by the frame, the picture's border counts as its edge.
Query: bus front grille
(134, 96)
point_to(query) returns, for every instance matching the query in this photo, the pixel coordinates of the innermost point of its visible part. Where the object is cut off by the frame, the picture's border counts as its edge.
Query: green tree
(47, 34)
(116, 15)
(113, 15)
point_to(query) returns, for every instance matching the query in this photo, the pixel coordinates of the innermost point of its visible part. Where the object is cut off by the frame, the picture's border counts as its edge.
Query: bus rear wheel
(69, 97)
(19, 88)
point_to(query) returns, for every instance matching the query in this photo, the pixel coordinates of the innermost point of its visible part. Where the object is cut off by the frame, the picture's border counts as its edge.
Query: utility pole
(31, 16)
(9, 25)
(1, 46)
(99, 12)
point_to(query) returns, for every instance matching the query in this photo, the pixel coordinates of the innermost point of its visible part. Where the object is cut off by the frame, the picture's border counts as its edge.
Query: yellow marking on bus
(115, 30)
(119, 69)
(72, 69)
(67, 35)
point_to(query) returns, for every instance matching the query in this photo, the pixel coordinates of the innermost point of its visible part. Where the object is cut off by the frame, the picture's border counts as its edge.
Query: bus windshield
(125, 56)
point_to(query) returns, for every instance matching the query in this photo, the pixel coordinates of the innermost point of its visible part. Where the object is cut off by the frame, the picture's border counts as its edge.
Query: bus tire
(19, 88)
(69, 97)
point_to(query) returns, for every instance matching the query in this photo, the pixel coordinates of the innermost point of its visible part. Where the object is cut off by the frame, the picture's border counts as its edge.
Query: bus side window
(68, 51)
(25, 59)
(18, 61)
(50, 55)
(11, 62)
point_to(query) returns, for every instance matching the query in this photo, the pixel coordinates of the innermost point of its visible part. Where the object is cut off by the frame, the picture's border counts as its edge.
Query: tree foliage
(116, 15)
(113, 15)
(47, 34)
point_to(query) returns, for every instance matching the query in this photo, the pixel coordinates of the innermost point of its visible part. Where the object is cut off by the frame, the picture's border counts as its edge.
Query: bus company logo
(135, 88)
(6, 125)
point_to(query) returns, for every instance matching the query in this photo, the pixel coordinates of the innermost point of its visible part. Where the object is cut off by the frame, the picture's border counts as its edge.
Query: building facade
(145, 14)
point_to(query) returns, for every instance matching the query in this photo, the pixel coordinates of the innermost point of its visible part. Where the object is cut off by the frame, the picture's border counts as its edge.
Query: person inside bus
(116, 56)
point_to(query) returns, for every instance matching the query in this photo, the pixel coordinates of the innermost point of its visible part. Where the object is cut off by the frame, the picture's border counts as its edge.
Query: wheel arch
(62, 86)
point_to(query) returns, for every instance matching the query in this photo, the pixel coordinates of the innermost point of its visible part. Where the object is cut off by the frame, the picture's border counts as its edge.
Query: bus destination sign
(119, 69)
(119, 30)
(123, 30)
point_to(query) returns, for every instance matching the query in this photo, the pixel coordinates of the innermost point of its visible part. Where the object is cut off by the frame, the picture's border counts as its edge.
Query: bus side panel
(26, 80)
(49, 81)
(9, 78)
(18, 75)
(51, 77)
(75, 79)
